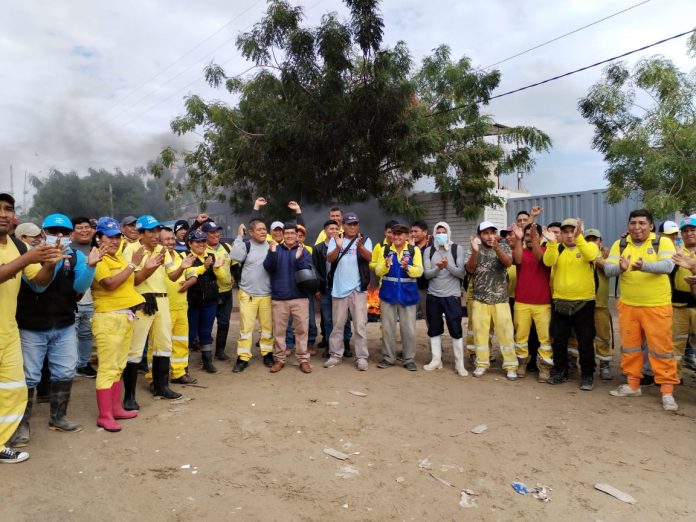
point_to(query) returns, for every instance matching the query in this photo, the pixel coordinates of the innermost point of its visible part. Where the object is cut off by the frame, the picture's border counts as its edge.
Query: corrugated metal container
(591, 206)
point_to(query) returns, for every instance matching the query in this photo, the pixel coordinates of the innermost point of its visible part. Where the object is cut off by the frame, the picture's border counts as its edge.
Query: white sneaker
(331, 362)
(668, 403)
(479, 372)
(626, 391)
(10, 456)
(511, 375)
(361, 364)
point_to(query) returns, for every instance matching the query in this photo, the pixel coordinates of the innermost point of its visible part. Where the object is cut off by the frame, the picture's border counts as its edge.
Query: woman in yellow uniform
(115, 301)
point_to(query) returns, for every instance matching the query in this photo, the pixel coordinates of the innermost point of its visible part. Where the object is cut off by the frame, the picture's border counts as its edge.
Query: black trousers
(582, 322)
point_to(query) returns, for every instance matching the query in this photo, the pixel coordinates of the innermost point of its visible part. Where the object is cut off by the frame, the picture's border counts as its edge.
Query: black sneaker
(268, 360)
(411, 366)
(586, 383)
(10, 456)
(399, 356)
(324, 343)
(87, 371)
(326, 354)
(558, 378)
(241, 365)
(384, 364)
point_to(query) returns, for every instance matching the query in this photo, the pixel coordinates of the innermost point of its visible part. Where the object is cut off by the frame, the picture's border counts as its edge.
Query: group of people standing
(146, 295)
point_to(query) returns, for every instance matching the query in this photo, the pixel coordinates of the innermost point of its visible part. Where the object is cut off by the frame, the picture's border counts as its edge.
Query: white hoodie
(444, 282)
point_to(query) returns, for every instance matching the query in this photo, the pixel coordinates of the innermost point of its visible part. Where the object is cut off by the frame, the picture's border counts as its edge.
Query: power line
(571, 72)
(566, 34)
(197, 46)
(197, 80)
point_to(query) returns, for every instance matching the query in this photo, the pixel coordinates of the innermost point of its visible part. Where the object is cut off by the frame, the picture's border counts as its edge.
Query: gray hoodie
(445, 282)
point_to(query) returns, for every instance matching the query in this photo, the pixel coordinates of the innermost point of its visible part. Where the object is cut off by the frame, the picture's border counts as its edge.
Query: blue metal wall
(591, 206)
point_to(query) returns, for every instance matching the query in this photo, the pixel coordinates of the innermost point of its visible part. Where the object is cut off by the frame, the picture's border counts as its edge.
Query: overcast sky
(91, 83)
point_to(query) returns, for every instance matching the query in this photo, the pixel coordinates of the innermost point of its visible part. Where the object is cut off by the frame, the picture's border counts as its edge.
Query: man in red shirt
(532, 298)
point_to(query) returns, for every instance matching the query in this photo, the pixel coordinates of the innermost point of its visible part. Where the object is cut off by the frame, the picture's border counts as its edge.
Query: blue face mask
(64, 241)
(441, 239)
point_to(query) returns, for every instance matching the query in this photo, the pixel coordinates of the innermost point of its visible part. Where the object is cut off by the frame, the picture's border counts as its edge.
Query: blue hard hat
(57, 220)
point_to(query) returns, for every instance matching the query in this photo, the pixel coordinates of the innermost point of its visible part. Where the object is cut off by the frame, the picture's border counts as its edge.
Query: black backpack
(236, 267)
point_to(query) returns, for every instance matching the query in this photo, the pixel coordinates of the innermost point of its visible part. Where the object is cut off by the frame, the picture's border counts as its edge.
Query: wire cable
(566, 34)
(564, 75)
(197, 46)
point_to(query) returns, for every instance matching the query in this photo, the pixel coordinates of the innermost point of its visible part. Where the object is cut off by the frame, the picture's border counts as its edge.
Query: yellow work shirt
(573, 270)
(157, 282)
(223, 274)
(679, 283)
(9, 332)
(512, 280)
(125, 296)
(414, 270)
(322, 235)
(177, 300)
(640, 288)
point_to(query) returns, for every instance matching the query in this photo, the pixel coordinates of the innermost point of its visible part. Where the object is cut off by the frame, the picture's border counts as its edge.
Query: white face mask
(441, 239)
(64, 241)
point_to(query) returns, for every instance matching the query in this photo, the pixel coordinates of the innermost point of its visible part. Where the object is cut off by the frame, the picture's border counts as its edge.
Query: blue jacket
(282, 265)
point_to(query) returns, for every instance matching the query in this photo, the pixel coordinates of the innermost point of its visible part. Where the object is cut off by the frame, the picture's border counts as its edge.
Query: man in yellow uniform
(573, 284)
(154, 324)
(643, 264)
(16, 262)
(335, 214)
(683, 300)
(602, 316)
(177, 285)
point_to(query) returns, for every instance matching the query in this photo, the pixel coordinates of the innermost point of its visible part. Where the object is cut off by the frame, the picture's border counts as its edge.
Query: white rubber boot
(458, 349)
(436, 348)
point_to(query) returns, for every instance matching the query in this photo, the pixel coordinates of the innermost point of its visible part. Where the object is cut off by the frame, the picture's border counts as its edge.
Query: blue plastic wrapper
(520, 488)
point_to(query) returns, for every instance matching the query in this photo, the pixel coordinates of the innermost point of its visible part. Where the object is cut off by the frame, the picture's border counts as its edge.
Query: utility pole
(111, 200)
(24, 195)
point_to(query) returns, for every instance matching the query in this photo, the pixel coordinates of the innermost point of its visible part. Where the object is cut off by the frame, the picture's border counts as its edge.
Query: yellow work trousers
(683, 325)
(180, 349)
(603, 333)
(540, 315)
(500, 317)
(470, 347)
(112, 332)
(251, 308)
(13, 388)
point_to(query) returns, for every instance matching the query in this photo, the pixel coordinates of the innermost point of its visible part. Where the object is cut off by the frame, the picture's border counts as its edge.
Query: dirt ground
(250, 447)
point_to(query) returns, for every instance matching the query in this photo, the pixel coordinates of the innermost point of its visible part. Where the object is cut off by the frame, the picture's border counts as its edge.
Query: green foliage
(135, 193)
(645, 125)
(331, 114)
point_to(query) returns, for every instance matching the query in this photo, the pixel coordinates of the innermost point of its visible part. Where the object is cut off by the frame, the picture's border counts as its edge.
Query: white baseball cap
(485, 225)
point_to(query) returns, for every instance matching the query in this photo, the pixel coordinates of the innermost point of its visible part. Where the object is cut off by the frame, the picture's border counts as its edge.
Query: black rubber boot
(60, 397)
(160, 378)
(130, 379)
(22, 434)
(221, 343)
(43, 389)
(207, 360)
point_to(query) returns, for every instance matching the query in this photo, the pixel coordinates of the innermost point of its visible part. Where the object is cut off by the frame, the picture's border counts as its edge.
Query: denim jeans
(200, 319)
(327, 320)
(58, 344)
(83, 327)
(312, 334)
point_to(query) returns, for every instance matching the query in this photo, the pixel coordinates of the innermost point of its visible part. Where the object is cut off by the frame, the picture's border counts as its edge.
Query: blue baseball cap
(108, 226)
(57, 220)
(688, 222)
(147, 222)
(196, 235)
(210, 226)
